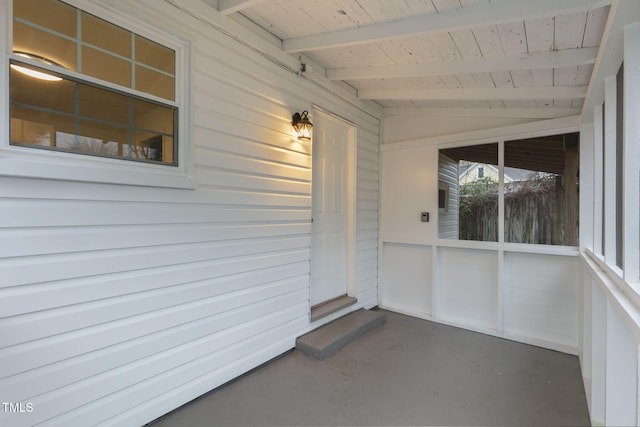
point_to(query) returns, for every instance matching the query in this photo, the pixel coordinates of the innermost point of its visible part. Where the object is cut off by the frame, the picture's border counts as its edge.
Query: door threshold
(329, 307)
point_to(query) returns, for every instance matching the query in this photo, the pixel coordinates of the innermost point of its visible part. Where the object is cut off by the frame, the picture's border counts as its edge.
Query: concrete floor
(406, 372)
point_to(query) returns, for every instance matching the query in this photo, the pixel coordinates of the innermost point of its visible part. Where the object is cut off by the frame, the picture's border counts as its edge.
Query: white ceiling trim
(516, 113)
(521, 61)
(227, 7)
(472, 16)
(520, 93)
(520, 131)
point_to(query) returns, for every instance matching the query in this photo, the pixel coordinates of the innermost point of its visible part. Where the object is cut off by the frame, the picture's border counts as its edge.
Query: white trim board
(517, 93)
(519, 131)
(525, 113)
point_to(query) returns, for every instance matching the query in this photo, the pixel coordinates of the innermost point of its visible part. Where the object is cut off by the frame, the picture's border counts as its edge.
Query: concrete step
(323, 310)
(328, 339)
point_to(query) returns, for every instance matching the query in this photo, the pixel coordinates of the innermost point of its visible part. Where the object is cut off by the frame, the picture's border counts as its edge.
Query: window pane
(155, 83)
(25, 131)
(33, 41)
(106, 49)
(102, 139)
(51, 14)
(469, 178)
(541, 190)
(103, 105)
(76, 117)
(154, 55)
(71, 115)
(149, 146)
(29, 127)
(106, 67)
(100, 33)
(53, 96)
(168, 150)
(153, 117)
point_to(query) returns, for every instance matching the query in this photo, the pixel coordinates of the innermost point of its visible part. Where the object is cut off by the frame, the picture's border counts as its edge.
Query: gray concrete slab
(406, 372)
(328, 339)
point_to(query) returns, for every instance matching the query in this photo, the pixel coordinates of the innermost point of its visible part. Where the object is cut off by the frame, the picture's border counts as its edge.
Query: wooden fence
(534, 212)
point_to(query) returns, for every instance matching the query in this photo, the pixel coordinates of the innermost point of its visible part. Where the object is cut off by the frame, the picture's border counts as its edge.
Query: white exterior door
(332, 184)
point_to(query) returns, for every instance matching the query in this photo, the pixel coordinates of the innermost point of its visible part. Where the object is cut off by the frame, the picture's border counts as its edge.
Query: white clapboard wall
(119, 303)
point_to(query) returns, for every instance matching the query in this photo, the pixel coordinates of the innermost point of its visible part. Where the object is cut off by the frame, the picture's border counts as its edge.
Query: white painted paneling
(585, 350)
(408, 189)
(541, 303)
(468, 285)
(598, 353)
(614, 329)
(621, 389)
(407, 279)
(120, 303)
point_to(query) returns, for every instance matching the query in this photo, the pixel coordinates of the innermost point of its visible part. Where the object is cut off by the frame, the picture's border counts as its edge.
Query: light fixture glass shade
(35, 73)
(302, 125)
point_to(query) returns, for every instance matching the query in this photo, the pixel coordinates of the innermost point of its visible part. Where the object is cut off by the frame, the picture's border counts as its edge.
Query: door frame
(351, 163)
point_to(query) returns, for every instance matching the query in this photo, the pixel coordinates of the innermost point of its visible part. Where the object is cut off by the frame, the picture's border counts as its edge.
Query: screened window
(619, 164)
(539, 180)
(80, 84)
(472, 173)
(602, 201)
(541, 190)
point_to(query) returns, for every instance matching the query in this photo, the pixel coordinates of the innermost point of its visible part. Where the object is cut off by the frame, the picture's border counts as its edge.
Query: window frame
(500, 136)
(20, 161)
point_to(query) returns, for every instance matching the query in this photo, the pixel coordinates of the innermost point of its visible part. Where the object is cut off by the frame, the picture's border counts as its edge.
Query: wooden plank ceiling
(513, 58)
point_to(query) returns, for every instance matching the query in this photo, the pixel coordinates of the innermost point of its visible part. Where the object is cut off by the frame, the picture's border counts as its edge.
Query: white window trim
(598, 184)
(610, 170)
(631, 177)
(16, 161)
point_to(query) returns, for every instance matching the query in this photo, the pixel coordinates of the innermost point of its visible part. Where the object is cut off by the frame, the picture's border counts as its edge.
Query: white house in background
(156, 233)
(473, 171)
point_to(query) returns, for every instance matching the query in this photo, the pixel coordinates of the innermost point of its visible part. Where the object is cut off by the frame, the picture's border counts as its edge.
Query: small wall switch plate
(424, 216)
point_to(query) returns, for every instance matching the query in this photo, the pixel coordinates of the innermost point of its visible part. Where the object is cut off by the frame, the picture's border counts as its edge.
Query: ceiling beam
(521, 61)
(517, 113)
(471, 16)
(541, 93)
(227, 7)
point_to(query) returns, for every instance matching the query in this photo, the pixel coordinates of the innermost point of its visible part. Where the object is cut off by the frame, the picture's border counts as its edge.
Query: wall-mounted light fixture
(302, 125)
(35, 73)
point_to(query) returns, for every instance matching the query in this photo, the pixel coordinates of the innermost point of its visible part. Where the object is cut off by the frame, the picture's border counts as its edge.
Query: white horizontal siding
(367, 216)
(448, 219)
(120, 303)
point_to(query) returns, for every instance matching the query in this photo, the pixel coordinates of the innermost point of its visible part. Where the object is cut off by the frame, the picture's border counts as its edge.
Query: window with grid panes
(80, 84)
